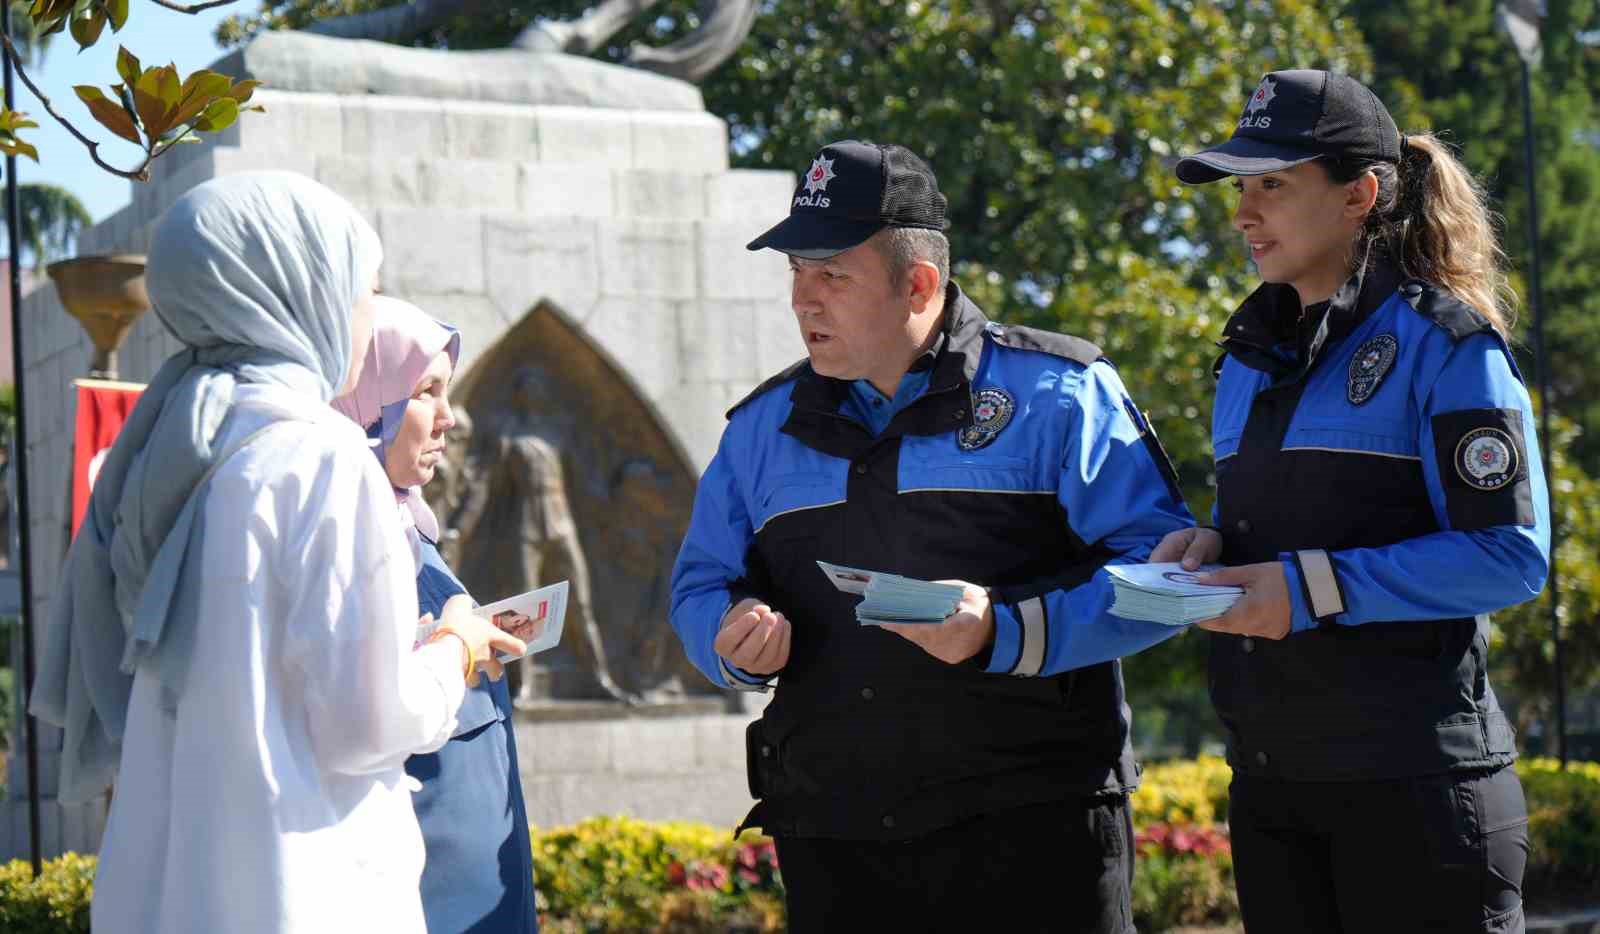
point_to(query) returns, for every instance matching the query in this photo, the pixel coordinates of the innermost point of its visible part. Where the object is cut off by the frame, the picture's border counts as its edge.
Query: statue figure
(513, 491)
(724, 24)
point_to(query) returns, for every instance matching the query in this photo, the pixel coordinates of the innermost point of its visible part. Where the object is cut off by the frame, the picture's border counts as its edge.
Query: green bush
(623, 874)
(1563, 827)
(57, 902)
(620, 873)
(1185, 791)
(1184, 877)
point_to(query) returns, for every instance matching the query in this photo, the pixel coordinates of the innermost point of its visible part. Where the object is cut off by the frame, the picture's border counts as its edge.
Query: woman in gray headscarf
(232, 641)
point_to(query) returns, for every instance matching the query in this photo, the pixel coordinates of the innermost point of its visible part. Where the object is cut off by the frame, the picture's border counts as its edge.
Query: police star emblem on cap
(1265, 92)
(820, 175)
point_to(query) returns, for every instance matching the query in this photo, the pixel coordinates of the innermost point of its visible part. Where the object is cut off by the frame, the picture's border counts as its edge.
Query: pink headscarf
(404, 341)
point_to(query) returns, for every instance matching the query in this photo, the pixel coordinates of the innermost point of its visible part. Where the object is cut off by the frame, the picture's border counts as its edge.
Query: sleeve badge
(1486, 458)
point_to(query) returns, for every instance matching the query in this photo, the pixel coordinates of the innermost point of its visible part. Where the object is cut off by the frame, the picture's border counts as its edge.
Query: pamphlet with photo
(535, 617)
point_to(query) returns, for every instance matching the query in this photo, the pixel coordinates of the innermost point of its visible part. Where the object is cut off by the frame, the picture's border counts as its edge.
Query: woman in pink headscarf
(479, 871)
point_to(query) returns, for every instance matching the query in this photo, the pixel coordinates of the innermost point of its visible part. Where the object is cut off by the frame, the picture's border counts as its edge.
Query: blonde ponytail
(1432, 218)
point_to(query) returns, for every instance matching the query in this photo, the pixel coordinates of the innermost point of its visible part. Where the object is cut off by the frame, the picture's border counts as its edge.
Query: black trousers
(1061, 866)
(1442, 853)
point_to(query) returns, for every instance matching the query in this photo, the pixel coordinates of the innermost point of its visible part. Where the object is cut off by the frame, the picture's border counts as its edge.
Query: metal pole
(1542, 360)
(19, 463)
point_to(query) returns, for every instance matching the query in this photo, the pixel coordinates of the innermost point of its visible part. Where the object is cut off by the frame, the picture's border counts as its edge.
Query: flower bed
(623, 874)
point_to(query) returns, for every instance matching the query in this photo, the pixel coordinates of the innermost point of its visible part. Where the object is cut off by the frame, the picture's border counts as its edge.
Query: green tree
(51, 219)
(32, 42)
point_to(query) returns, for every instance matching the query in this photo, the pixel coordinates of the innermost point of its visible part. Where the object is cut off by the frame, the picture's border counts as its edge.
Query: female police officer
(1379, 491)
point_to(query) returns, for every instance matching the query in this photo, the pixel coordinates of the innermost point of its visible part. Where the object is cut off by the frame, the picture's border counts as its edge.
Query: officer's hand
(1193, 547)
(1263, 611)
(963, 634)
(754, 637)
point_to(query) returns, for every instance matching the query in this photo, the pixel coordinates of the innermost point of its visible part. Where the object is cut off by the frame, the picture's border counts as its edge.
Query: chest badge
(1373, 361)
(1486, 458)
(991, 413)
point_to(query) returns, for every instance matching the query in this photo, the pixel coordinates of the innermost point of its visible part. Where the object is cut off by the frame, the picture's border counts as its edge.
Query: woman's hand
(1191, 547)
(1263, 611)
(484, 638)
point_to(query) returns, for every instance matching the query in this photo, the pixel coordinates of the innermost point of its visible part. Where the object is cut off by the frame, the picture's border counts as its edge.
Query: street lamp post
(1519, 20)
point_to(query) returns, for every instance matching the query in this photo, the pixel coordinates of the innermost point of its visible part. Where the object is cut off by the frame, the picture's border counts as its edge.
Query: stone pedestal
(629, 221)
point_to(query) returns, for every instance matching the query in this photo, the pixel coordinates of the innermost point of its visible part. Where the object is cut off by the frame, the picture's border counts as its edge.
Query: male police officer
(927, 777)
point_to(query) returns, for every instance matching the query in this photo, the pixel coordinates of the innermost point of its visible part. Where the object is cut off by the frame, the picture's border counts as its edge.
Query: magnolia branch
(141, 174)
(193, 7)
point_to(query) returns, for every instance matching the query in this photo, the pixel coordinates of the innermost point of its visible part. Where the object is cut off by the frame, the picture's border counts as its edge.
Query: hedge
(624, 874)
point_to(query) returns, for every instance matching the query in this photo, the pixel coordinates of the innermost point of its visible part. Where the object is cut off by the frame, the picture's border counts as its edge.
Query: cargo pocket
(1504, 818)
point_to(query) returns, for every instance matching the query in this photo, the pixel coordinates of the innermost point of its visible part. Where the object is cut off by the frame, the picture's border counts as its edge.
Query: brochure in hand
(534, 617)
(890, 598)
(1168, 593)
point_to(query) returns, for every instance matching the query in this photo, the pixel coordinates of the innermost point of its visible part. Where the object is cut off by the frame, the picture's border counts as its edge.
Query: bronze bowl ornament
(107, 295)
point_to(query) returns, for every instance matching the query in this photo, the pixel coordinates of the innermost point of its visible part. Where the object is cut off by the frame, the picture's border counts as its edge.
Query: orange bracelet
(472, 661)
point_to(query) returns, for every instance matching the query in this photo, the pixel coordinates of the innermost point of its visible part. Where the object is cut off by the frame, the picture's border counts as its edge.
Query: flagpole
(19, 468)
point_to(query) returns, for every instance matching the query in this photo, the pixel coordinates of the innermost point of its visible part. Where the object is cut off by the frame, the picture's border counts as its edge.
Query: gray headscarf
(256, 274)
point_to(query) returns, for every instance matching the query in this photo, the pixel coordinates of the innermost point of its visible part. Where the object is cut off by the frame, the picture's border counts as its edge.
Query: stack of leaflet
(890, 598)
(1168, 593)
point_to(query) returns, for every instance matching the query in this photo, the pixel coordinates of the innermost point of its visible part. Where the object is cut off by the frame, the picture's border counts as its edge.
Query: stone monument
(567, 215)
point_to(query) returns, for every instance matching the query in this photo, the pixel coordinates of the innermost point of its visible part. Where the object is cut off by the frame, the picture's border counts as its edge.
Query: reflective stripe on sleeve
(1321, 586)
(1034, 636)
(739, 681)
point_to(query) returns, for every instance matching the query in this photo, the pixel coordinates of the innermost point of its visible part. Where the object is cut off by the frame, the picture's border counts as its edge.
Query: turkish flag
(102, 408)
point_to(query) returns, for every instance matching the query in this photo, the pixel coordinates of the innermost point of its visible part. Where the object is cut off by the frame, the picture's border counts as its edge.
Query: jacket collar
(1268, 332)
(945, 406)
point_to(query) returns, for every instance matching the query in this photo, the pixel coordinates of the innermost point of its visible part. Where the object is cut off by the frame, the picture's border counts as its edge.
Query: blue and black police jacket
(1383, 450)
(1023, 467)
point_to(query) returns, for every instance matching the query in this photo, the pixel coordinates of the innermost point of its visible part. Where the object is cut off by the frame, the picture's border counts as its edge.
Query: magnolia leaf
(86, 29)
(241, 92)
(12, 146)
(117, 10)
(218, 116)
(110, 116)
(126, 97)
(11, 120)
(155, 97)
(199, 91)
(128, 67)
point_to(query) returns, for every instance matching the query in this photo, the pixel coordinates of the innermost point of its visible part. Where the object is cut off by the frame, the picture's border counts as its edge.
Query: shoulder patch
(771, 383)
(1454, 316)
(1072, 348)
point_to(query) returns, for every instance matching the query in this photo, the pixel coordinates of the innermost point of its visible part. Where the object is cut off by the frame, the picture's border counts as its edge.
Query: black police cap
(1294, 117)
(852, 190)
